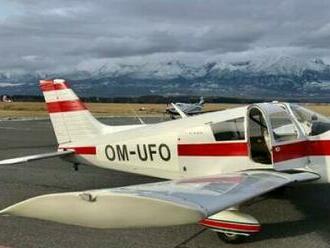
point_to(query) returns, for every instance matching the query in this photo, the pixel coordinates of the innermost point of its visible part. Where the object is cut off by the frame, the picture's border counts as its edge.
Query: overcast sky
(56, 35)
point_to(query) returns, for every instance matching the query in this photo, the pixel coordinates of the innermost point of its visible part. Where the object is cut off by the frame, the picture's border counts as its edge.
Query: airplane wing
(29, 158)
(166, 203)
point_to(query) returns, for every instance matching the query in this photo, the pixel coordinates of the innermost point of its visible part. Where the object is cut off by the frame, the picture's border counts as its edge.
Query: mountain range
(276, 77)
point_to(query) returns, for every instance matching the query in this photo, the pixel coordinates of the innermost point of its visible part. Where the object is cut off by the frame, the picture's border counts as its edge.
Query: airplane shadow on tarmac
(313, 201)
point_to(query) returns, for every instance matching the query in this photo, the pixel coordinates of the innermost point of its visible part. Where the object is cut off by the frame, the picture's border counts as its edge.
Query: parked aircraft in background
(6, 98)
(186, 108)
(215, 163)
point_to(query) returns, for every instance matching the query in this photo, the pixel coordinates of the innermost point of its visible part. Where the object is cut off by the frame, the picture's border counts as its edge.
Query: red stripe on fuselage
(83, 150)
(50, 86)
(286, 152)
(301, 149)
(319, 147)
(290, 151)
(213, 149)
(65, 106)
(231, 226)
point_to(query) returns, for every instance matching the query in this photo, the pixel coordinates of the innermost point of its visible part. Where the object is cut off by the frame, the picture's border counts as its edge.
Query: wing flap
(158, 204)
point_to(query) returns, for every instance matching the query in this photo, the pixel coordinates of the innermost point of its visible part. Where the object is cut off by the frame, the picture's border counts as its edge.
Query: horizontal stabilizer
(166, 203)
(34, 157)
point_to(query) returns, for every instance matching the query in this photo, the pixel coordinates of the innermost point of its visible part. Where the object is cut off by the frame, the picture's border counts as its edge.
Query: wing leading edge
(166, 203)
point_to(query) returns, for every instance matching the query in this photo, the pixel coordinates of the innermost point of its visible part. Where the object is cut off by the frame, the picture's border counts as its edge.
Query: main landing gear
(232, 226)
(76, 166)
(232, 238)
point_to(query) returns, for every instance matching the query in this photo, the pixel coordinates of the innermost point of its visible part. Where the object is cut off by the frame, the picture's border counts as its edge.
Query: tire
(231, 238)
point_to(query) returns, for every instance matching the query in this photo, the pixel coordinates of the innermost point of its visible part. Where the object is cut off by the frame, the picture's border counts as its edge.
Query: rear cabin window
(229, 130)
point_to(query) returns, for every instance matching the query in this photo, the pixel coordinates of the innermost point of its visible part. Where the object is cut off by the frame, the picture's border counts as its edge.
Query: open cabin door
(287, 144)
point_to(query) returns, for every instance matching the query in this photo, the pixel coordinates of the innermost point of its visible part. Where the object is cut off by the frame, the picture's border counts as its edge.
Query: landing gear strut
(76, 166)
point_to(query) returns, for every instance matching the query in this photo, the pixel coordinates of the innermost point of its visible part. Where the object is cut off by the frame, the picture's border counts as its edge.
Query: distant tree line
(143, 99)
(164, 99)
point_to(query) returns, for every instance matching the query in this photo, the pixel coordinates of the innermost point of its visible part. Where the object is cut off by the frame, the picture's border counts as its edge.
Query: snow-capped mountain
(162, 70)
(267, 76)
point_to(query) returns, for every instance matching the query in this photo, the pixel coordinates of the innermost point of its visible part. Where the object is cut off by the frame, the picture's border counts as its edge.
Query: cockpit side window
(229, 130)
(312, 122)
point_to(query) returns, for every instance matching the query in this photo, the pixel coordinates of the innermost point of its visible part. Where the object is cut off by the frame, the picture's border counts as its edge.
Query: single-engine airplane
(186, 108)
(215, 162)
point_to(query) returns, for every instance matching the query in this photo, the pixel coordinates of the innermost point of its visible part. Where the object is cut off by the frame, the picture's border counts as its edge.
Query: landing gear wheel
(232, 238)
(76, 166)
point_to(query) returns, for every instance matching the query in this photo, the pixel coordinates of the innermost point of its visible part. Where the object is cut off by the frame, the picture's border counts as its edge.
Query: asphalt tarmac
(297, 217)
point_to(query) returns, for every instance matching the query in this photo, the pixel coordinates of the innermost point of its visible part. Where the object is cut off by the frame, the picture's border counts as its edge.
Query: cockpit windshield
(312, 122)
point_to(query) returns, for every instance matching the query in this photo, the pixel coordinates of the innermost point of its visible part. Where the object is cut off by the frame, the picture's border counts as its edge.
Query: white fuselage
(153, 149)
(187, 148)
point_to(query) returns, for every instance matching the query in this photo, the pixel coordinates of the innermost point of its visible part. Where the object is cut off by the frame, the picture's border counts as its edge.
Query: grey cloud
(48, 35)
(318, 38)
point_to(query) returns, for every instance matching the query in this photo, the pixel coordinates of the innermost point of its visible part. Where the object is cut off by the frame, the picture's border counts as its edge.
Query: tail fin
(70, 118)
(201, 101)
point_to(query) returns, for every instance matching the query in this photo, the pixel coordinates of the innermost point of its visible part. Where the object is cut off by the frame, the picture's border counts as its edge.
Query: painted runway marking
(14, 128)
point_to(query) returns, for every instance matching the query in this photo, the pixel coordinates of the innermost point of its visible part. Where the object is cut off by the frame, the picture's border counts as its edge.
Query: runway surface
(299, 217)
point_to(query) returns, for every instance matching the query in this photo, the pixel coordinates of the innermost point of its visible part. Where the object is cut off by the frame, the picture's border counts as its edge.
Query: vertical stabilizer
(70, 118)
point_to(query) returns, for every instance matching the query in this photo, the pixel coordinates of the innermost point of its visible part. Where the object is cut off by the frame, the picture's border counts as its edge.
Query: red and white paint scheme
(215, 162)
